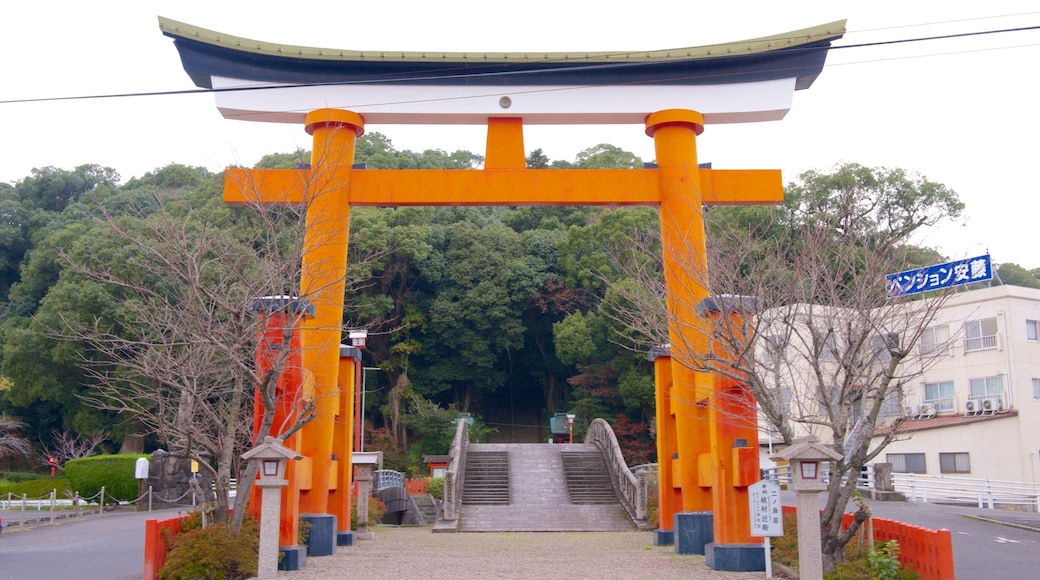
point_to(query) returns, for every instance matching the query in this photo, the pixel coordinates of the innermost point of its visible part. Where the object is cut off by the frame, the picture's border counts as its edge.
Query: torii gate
(672, 94)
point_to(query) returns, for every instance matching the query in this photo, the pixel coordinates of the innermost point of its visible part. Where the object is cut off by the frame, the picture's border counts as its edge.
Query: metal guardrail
(983, 493)
(631, 486)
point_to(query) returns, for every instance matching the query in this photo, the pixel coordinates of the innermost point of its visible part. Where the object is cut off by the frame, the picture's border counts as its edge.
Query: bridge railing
(452, 500)
(632, 488)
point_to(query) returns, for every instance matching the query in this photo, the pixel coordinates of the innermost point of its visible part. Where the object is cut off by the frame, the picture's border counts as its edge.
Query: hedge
(36, 488)
(115, 472)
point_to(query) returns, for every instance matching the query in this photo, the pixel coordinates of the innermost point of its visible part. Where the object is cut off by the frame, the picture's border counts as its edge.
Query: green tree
(1015, 275)
(823, 352)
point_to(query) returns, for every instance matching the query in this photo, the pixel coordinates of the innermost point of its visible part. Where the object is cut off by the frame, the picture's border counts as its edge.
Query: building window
(774, 349)
(829, 352)
(884, 346)
(935, 340)
(940, 395)
(906, 462)
(987, 388)
(954, 463)
(980, 334)
(1033, 330)
(892, 406)
(1036, 389)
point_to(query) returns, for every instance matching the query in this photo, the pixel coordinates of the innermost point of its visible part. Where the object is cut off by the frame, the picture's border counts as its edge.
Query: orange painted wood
(405, 187)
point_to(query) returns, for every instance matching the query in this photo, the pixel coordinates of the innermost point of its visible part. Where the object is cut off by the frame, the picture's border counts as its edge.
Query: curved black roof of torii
(799, 54)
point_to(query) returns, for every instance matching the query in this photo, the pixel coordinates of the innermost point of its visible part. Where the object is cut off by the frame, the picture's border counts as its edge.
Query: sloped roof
(941, 421)
(801, 53)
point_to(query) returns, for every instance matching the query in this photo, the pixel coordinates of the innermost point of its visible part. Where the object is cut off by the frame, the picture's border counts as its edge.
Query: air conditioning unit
(990, 406)
(927, 411)
(972, 407)
(912, 411)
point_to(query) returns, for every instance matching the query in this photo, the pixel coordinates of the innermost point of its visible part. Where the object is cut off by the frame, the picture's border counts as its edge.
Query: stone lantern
(807, 458)
(364, 461)
(271, 456)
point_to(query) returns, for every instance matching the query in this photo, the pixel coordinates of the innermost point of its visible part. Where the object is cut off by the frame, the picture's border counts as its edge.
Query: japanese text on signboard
(766, 517)
(978, 269)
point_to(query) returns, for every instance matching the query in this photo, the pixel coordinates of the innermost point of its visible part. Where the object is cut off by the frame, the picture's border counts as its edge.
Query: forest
(510, 314)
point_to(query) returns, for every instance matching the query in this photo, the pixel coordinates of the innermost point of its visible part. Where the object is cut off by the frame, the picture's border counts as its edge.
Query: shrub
(884, 560)
(19, 476)
(376, 511)
(115, 472)
(215, 552)
(37, 488)
(435, 487)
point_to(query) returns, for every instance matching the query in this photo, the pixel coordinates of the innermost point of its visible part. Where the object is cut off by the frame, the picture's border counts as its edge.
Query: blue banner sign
(978, 269)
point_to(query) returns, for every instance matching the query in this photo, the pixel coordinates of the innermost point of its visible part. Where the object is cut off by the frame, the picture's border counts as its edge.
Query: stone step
(538, 491)
(588, 481)
(486, 478)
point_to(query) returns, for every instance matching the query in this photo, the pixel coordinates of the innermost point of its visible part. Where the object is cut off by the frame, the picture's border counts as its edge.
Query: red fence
(155, 544)
(416, 485)
(929, 552)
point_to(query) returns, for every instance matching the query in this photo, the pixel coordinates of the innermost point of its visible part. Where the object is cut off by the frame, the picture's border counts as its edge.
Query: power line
(505, 73)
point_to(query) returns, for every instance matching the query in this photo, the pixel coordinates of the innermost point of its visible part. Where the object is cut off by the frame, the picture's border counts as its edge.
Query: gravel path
(410, 552)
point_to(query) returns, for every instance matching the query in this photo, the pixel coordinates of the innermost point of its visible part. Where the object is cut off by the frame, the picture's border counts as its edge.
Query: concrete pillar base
(321, 537)
(735, 557)
(345, 538)
(293, 558)
(693, 531)
(664, 537)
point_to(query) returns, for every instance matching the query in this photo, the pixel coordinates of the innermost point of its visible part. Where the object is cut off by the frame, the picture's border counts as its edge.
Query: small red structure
(438, 464)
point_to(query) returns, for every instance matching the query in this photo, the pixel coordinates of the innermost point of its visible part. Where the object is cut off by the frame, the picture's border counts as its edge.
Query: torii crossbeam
(670, 94)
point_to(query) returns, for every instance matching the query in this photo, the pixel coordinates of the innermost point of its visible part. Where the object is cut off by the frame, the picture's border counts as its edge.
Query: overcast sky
(963, 112)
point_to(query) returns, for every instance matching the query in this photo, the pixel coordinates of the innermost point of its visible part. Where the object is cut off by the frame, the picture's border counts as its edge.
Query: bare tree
(11, 443)
(821, 348)
(66, 445)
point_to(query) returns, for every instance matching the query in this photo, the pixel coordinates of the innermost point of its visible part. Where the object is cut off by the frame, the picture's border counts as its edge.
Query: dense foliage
(113, 472)
(491, 311)
(215, 552)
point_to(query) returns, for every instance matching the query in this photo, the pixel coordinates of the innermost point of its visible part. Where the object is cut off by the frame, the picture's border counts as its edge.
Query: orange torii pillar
(669, 480)
(282, 316)
(734, 446)
(341, 487)
(322, 281)
(684, 250)
(324, 189)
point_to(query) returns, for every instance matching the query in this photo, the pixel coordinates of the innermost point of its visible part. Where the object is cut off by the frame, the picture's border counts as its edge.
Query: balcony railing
(980, 343)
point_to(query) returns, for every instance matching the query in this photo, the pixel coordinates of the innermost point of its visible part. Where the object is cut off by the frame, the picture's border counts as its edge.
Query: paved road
(106, 547)
(987, 543)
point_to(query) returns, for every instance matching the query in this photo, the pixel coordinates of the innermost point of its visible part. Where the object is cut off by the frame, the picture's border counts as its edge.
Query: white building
(975, 410)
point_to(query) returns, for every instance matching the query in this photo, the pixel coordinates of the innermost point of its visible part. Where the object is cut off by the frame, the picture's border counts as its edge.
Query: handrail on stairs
(452, 501)
(632, 488)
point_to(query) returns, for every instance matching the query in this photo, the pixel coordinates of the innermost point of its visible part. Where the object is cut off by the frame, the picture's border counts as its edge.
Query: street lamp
(364, 377)
(570, 425)
(357, 340)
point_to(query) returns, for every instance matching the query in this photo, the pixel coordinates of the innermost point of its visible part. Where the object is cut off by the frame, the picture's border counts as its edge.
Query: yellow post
(334, 134)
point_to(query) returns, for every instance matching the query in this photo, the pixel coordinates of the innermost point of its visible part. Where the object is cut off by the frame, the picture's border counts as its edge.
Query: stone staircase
(486, 478)
(426, 507)
(588, 481)
(530, 488)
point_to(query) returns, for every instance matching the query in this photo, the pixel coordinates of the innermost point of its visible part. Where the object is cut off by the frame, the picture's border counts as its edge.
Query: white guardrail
(982, 493)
